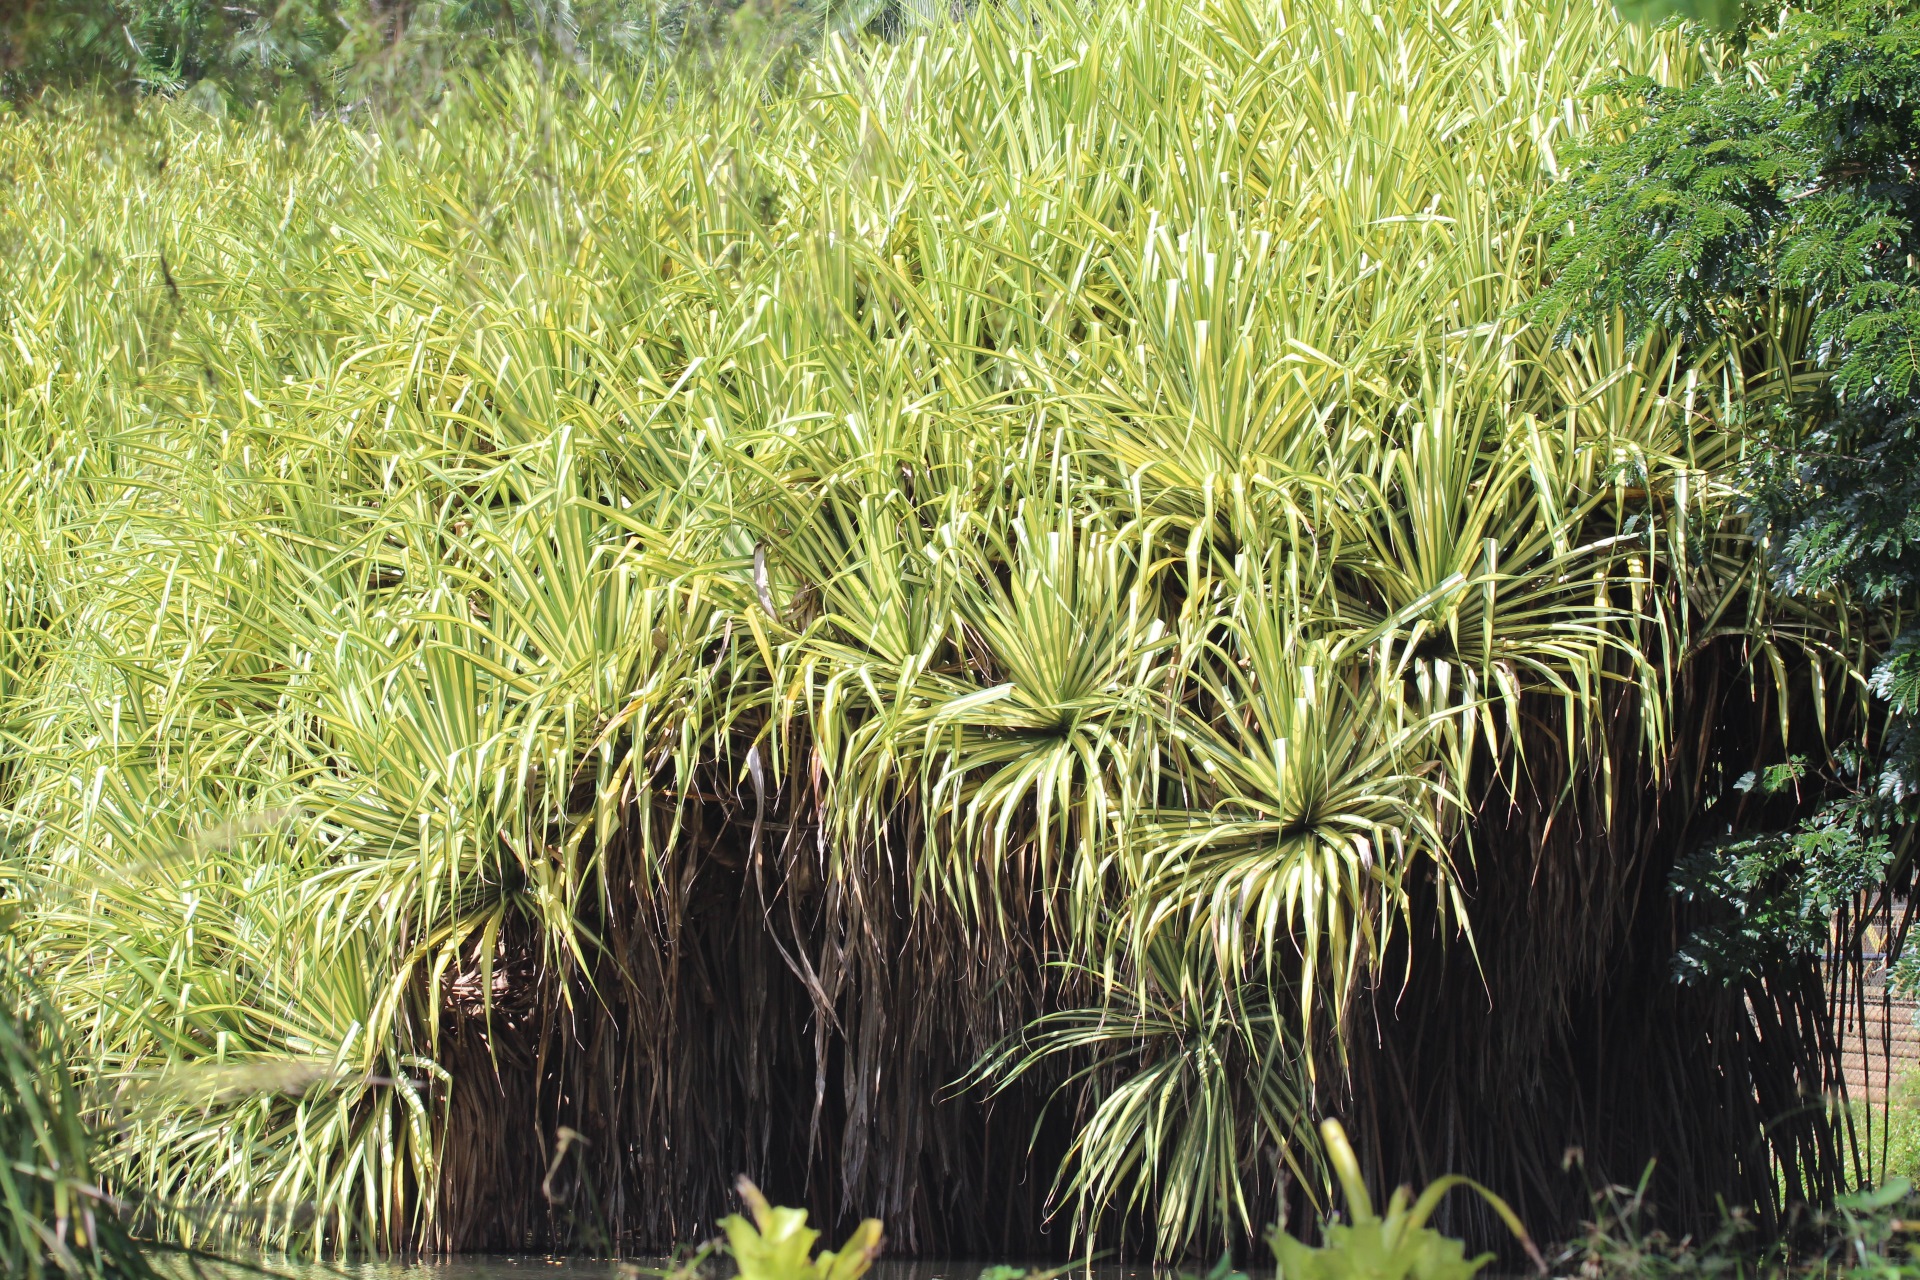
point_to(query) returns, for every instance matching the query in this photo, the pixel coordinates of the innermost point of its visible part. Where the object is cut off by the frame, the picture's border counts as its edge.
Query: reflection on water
(533, 1267)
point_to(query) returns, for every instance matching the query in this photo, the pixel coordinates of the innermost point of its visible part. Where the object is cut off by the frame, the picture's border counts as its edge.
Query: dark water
(528, 1267)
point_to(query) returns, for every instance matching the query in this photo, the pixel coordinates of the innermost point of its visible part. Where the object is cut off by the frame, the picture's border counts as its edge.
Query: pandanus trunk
(1560, 1051)
(758, 1013)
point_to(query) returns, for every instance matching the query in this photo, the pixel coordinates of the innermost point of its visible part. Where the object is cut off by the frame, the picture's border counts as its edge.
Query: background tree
(1780, 195)
(342, 54)
(1770, 207)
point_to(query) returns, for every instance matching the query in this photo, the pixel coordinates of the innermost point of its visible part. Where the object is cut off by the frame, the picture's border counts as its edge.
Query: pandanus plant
(1397, 1246)
(693, 616)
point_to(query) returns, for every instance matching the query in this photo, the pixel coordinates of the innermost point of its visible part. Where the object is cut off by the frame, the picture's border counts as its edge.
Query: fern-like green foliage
(1397, 1246)
(1771, 898)
(777, 1243)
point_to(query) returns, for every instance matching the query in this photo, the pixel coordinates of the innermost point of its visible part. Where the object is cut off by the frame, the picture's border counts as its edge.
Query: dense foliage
(1778, 195)
(696, 613)
(55, 1219)
(345, 55)
(1860, 1234)
(1785, 186)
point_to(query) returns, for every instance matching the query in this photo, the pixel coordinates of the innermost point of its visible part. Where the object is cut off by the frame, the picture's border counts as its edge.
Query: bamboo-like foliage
(696, 610)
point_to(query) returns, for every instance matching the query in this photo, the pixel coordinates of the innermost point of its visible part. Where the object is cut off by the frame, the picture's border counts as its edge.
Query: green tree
(1783, 194)
(251, 47)
(344, 52)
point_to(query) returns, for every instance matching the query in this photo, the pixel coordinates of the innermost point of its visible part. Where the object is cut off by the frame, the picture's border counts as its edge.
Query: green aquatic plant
(777, 1244)
(1397, 1246)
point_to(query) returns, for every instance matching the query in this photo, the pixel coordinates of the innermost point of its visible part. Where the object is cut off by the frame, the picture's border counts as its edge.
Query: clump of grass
(1890, 1131)
(55, 1219)
(1867, 1233)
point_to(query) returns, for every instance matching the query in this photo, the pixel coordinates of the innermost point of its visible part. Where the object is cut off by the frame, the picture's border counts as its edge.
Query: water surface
(535, 1267)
